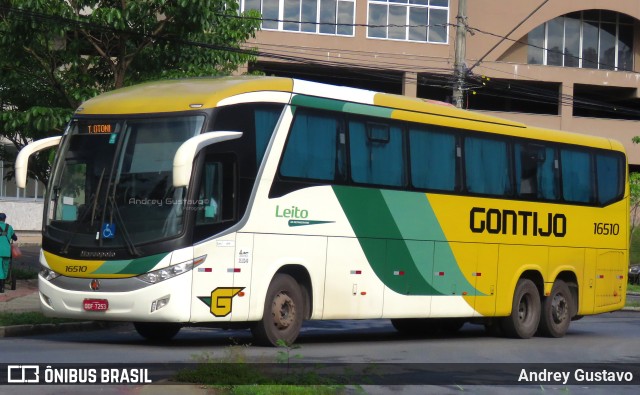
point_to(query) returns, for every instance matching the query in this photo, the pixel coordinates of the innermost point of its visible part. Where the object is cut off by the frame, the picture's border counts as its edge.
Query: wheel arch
(536, 277)
(303, 278)
(570, 278)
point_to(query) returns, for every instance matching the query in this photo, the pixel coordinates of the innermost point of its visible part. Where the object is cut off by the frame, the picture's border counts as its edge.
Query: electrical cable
(367, 70)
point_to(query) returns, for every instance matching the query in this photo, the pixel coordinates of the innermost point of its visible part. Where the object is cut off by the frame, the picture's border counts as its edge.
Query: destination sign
(101, 128)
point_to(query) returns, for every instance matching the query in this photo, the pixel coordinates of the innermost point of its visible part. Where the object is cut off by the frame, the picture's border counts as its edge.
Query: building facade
(35, 190)
(563, 64)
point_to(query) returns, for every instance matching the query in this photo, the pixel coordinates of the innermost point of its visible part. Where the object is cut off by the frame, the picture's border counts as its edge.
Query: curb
(41, 329)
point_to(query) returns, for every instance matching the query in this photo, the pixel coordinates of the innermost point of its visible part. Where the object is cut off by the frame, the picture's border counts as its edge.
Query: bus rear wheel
(556, 311)
(157, 331)
(525, 311)
(283, 313)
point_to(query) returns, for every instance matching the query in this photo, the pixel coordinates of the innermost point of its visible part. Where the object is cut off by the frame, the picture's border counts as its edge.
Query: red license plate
(95, 304)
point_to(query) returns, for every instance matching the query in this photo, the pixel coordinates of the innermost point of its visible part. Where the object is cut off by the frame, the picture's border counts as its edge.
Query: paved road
(609, 340)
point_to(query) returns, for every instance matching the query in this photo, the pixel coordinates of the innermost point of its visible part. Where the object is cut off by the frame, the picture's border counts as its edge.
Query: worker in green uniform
(6, 235)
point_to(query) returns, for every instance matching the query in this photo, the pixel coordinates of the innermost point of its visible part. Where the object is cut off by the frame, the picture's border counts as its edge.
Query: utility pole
(461, 49)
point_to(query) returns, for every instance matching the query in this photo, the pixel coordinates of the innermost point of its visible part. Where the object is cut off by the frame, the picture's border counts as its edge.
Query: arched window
(595, 39)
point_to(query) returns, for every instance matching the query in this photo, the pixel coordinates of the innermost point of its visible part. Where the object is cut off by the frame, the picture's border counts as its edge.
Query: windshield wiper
(94, 197)
(125, 234)
(110, 200)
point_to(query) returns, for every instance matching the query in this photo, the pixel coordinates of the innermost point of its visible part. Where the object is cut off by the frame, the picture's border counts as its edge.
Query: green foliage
(284, 352)
(21, 273)
(28, 318)
(634, 248)
(634, 203)
(57, 54)
(232, 374)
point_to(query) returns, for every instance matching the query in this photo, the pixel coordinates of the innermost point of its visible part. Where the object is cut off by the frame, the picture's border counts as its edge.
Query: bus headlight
(166, 273)
(48, 274)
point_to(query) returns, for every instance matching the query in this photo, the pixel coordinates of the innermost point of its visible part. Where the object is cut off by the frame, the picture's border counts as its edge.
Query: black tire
(157, 331)
(283, 313)
(556, 311)
(525, 311)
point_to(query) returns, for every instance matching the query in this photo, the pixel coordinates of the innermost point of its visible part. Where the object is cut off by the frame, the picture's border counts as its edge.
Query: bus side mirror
(183, 159)
(22, 161)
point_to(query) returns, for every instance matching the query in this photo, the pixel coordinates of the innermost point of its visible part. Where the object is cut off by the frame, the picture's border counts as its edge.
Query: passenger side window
(265, 120)
(487, 166)
(610, 172)
(576, 176)
(377, 154)
(433, 159)
(315, 149)
(216, 201)
(536, 172)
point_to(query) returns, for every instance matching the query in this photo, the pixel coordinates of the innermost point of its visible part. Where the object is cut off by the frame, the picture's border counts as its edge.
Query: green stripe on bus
(131, 266)
(341, 106)
(401, 238)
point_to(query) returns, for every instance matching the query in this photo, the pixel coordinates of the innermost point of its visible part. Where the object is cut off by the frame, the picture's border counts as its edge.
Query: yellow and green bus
(262, 202)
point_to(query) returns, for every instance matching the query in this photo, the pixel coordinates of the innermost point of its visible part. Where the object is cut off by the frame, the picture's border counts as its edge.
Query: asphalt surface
(25, 298)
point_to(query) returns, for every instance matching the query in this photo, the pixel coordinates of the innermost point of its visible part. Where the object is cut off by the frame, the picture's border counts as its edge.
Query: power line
(366, 69)
(508, 34)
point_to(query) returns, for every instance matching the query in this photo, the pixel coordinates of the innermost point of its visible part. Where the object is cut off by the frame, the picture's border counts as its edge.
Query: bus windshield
(112, 184)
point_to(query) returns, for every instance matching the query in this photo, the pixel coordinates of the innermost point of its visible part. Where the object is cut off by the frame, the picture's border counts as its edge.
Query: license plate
(95, 304)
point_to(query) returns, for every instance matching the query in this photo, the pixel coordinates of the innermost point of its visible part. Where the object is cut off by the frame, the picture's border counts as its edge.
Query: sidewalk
(25, 298)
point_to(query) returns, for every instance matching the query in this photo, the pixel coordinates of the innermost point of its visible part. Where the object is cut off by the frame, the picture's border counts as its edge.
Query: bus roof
(179, 95)
(202, 93)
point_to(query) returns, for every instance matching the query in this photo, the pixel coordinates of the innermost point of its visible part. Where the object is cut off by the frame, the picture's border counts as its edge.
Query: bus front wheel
(156, 331)
(283, 312)
(556, 311)
(525, 311)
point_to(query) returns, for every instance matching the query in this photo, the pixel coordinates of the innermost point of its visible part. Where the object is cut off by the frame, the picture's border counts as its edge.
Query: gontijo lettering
(525, 223)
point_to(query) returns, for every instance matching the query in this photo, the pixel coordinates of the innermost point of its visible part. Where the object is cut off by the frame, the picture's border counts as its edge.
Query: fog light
(45, 299)
(160, 303)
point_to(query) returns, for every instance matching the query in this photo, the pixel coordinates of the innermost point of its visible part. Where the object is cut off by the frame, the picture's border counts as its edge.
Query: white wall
(26, 218)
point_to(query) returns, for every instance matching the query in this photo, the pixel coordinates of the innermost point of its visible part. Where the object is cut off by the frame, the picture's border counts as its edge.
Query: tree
(55, 54)
(634, 204)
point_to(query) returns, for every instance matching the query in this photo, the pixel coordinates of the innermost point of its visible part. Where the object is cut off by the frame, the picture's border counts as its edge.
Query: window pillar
(565, 105)
(410, 84)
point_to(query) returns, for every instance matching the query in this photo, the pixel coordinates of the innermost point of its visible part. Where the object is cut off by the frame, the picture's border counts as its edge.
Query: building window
(334, 17)
(594, 39)
(410, 20)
